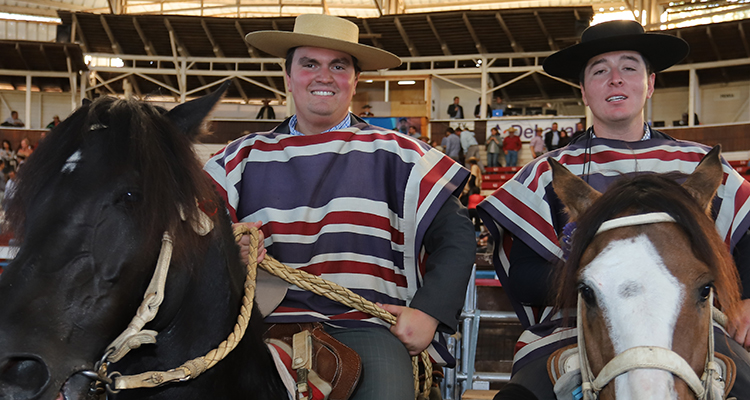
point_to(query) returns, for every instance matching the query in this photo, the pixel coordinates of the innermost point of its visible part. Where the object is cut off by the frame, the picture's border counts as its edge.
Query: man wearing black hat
(615, 64)
(369, 209)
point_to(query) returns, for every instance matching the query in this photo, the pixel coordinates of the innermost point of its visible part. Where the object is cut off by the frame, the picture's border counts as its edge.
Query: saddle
(323, 367)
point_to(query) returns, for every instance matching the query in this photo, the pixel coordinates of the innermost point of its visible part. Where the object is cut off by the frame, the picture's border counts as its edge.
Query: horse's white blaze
(640, 301)
(71, 162)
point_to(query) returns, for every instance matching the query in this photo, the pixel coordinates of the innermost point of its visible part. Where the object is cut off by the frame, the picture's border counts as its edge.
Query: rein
(709, 387)
(134, 335)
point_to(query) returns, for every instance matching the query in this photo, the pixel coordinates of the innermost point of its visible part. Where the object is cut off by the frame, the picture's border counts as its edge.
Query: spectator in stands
(366, 111)
(564, 139)
(323, 64)
(579, 131)
(452, 144)
(475, 179)
(684, 120)
(54, 123)
(10, 184)
(13, 120)
(25, 150)
(413, 132)
(266, 112)
(494, 147)
(552, 138)
(6, 152)
(615, 63)
(455, 110)
(470, 146)
(511, 147)
(537, 143)
(475, 198)
(477, 108)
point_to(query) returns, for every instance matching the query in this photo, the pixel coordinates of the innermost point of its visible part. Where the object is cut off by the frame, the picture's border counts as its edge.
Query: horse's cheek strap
(134, 335)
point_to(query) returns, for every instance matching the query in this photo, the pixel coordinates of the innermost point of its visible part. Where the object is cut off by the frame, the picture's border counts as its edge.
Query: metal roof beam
(480, 48)
(149, 48)
(81, 38)
(219, 53)
(716, 51)
(550, 40)
(20, 56)
(254, 54)
(741, 30)
(181, 49)
(46, 58)
(117, 49)
(409, 44)
(443, 45)
(371, 35)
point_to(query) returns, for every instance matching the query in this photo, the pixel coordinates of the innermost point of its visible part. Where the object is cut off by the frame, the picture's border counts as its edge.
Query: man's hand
(414, 328)
(739, 327)
(244, 242)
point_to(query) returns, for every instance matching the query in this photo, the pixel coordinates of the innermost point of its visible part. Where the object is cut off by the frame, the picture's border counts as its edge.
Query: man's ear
(651, 82)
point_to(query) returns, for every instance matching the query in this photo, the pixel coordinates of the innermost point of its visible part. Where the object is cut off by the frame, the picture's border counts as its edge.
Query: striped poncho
(526, 208)
(351, 206)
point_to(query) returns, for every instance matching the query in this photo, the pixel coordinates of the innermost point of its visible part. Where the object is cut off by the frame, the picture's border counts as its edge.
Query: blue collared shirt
(347, 122)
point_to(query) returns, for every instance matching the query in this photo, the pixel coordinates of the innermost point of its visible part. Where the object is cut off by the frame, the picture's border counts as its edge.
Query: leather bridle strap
(134, 335)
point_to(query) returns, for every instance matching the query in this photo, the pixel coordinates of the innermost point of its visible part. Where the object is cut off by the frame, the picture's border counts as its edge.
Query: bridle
(708, 387)
(134, 335)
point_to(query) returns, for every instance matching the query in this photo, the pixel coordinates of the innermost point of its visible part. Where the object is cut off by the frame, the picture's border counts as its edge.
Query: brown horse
(645, 261)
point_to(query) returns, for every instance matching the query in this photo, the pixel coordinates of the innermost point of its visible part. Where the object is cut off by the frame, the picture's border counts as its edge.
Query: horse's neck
(208, 307)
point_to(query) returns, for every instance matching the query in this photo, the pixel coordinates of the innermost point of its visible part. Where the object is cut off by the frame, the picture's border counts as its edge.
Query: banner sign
(527, 127)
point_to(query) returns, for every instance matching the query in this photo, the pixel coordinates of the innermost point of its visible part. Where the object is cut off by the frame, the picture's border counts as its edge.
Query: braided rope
(333, 291)
(191, 369)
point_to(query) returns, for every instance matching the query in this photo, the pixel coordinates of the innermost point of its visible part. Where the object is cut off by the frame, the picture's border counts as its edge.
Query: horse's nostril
(22, 377)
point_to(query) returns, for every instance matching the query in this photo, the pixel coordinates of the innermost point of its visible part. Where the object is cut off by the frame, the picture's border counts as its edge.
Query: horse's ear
(705, 180)
(574, 193)
(188, 117)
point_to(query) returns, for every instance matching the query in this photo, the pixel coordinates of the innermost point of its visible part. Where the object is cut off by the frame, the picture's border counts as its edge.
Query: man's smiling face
(322, 82)
(616, 86)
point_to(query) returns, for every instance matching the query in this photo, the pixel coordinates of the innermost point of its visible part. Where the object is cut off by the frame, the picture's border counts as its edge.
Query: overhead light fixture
(29, 18)
(406, 82)
(368, 81)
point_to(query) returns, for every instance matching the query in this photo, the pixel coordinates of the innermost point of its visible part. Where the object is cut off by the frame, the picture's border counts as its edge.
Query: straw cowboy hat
(662, 51)
(325, 31)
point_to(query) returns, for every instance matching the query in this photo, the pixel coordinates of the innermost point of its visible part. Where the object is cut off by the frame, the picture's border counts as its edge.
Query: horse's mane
(653, 193)
(140, 138)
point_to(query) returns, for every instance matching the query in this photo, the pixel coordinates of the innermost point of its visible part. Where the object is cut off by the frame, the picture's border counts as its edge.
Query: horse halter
(134, 335)
(709, 387)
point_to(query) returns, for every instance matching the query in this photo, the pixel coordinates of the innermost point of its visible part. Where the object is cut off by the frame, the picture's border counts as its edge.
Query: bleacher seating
(496, 177)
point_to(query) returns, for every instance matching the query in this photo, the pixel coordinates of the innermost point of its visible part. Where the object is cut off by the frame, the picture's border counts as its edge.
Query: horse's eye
(705, 292)
(587, 294)
(129, 198)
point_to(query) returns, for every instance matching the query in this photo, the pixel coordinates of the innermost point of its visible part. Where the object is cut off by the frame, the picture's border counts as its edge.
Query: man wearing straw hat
(615, 64)
(370, 209)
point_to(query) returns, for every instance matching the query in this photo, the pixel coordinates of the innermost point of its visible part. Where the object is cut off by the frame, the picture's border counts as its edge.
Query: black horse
(90, 210)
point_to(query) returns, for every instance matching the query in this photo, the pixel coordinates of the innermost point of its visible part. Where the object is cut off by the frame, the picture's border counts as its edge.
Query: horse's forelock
(140, 138)
(652, 193)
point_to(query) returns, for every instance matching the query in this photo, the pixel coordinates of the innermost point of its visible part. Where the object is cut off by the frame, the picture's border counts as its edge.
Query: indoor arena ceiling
(435, 34)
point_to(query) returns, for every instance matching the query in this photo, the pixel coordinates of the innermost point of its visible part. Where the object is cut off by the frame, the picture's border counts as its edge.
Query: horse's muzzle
(23, 377)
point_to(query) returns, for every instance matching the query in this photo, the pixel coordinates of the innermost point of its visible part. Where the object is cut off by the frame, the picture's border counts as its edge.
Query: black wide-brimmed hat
(662, 51)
